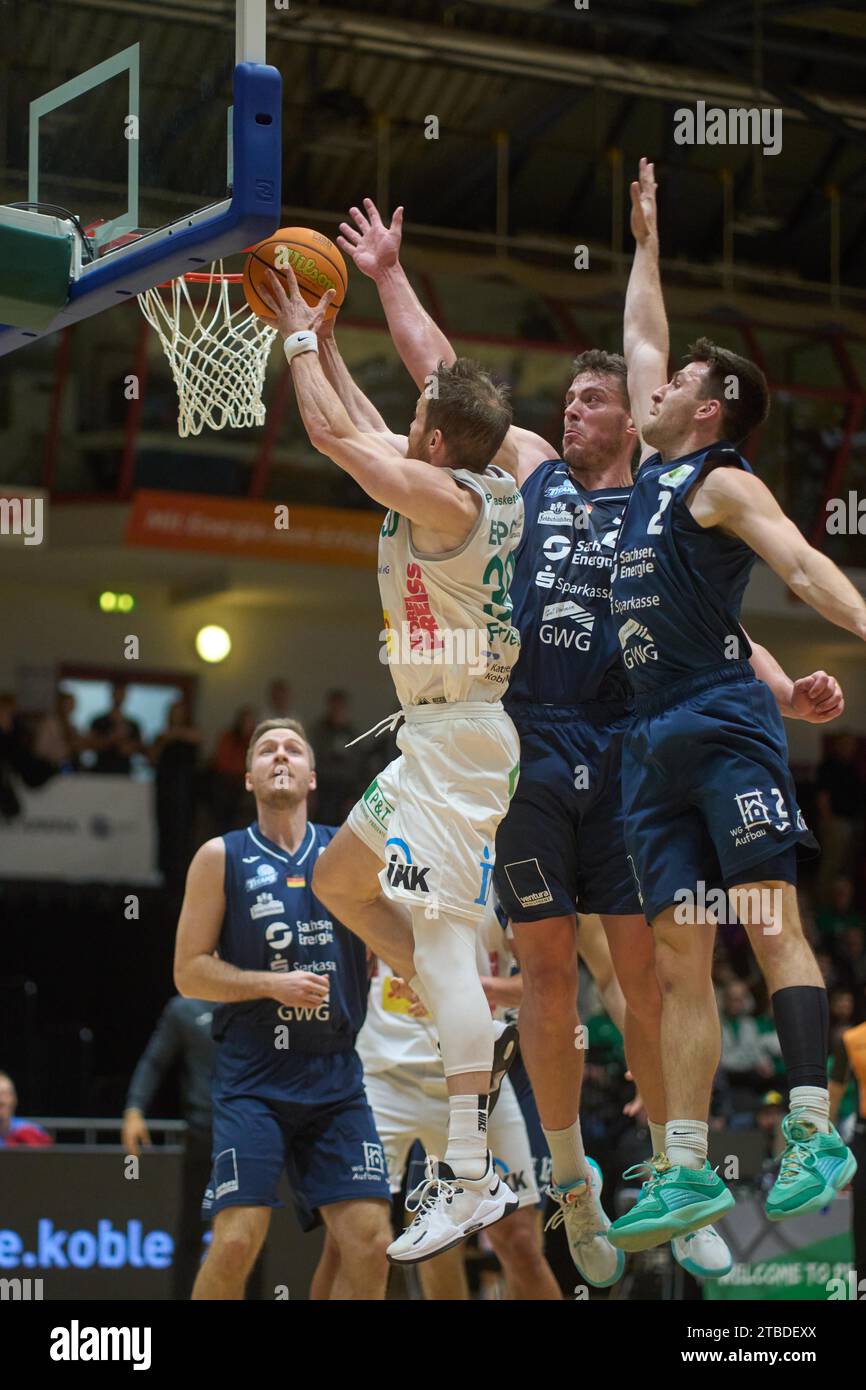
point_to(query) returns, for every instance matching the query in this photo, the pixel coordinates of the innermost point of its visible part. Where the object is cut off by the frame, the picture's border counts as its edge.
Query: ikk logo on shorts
(412, 878)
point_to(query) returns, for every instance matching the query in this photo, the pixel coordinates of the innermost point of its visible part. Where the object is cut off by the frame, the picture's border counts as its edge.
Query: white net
(218, 355)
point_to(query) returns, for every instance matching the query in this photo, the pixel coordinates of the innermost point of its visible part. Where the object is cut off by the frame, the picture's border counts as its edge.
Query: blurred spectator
(723, 971)
(841, 794)
(14, 1133)
(182, 1038)
(807, 917)
(116, 738)
(828, 967)
(850, 952)
(840, 912)
(57, 740)
(768, 1120)
(748, 1052)
(338, 768)
(281, 704)
(841, 1003)
(232, 804)
(174, 754)
(16, 758)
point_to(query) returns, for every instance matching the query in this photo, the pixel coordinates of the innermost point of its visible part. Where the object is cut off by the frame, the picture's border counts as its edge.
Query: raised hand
(644, 224)
(372, 246)
(291, 312)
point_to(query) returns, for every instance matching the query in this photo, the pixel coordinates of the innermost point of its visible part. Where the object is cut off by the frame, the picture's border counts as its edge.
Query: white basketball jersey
(448, 631)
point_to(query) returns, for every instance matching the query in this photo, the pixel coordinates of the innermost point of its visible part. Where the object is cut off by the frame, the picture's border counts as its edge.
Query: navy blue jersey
(560, 592)
(273, 922)
(678, 586)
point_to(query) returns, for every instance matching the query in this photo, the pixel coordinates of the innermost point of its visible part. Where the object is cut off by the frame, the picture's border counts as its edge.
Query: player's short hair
(747, 408)
(603, 363)
(267, 724)
(472, 411)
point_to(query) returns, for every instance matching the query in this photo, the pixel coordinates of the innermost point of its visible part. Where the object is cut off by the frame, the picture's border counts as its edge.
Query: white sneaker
(586, 1226)
(703, 1254)
(448, 1209)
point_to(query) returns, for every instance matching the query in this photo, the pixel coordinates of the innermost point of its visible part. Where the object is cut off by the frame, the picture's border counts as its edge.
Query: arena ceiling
(579, 94)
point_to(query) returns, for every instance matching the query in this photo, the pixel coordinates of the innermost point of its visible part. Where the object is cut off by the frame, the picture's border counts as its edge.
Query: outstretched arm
(816, 699)
(645, 327)
(375, 249)
(428, 496)
(422, 345)
(360, 408)
(743, 506)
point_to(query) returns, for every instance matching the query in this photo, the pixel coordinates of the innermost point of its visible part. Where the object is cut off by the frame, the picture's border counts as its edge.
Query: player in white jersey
(411, 869)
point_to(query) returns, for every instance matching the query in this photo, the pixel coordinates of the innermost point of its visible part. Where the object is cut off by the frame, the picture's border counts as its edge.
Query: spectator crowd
(198, 794)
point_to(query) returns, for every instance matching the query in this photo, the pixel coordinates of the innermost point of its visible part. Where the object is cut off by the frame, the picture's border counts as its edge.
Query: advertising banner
(81, 829)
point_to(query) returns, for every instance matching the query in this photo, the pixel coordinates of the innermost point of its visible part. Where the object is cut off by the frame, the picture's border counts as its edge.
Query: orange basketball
(316, 261)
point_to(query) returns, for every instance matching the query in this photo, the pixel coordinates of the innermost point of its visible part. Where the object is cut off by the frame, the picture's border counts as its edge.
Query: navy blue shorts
(707, 792)
(561, 843)
(330, 1151)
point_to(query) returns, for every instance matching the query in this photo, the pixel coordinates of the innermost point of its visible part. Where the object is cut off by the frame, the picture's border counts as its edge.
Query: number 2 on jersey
(654, 527)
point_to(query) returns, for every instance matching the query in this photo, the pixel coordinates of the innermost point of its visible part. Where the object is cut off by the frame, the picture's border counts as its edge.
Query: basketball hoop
(218, 355)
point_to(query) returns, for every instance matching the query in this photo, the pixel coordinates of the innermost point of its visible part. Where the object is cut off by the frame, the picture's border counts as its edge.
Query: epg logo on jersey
(278, 936)
(643, 649)
(402, 873)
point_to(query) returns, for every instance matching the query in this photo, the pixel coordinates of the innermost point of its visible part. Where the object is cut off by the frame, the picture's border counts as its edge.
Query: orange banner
(266, 530)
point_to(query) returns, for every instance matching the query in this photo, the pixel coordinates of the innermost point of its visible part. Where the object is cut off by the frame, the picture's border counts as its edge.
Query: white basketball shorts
(431, 815)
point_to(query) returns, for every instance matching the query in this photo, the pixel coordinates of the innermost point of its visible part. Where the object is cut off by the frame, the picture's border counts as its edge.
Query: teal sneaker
(673, 1202)
(814, 1167)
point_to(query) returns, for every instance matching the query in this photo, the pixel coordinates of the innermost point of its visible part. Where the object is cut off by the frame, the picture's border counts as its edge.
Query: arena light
(108, 601)
(125, 603)
(213, 643)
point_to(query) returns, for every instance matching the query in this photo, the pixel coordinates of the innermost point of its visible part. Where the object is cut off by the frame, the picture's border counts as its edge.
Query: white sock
(686, 1143)
(658, 1138)
(566, 1151)
(813, 1103)
(466, 1154)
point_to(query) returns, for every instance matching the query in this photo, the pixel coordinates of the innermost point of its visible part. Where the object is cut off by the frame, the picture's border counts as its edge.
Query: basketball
(316, 261)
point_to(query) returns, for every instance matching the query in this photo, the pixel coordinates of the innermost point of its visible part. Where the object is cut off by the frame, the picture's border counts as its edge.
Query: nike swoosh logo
(252, 859)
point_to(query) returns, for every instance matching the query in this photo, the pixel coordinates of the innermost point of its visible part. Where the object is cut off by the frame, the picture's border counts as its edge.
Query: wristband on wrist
(296, 343)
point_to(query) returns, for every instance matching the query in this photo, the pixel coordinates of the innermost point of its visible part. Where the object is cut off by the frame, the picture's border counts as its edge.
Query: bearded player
(411, 870)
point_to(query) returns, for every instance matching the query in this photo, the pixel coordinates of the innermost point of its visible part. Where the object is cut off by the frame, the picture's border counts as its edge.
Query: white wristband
(296, 343)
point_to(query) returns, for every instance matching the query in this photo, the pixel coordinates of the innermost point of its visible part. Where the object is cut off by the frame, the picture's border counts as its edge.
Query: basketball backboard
(146, 132)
